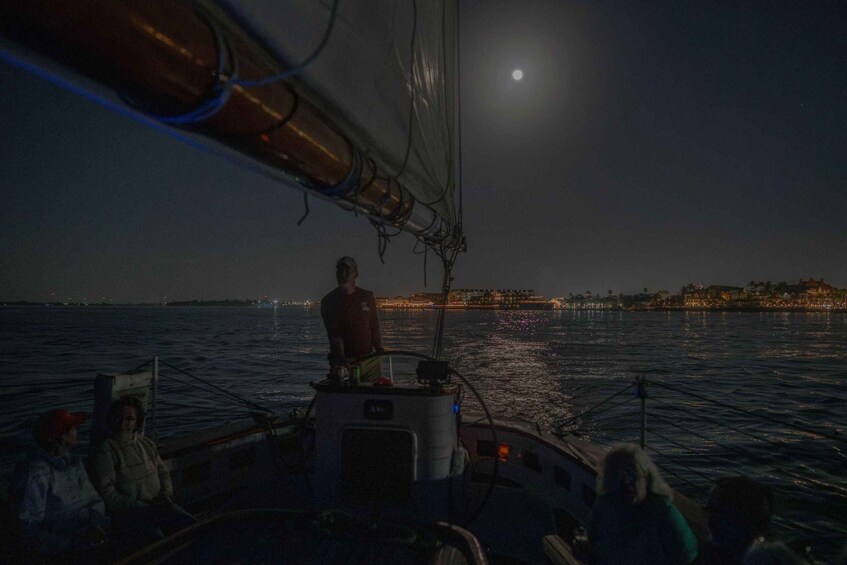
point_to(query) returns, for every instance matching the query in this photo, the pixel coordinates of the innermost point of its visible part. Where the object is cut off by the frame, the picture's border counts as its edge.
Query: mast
(180, 64)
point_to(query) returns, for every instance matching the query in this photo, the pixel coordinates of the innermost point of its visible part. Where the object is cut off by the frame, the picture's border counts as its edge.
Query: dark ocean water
(546, 367)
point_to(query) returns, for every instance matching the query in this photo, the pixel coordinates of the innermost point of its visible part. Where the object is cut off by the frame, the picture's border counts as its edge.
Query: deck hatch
(377, 465)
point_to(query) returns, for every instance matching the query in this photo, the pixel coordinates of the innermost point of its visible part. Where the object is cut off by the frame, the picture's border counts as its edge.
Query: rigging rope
(445, 293)
(412, 85)
(299, 68)
(451, 161)
(459, 118)
(306, 204)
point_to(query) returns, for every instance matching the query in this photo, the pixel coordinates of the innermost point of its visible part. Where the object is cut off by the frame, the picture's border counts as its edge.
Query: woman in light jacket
(133, 481)
(634, 520)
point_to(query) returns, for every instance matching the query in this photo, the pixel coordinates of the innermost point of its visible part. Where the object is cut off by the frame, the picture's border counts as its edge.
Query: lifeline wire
(719, 423)
(678, 464)
(798, 427)
(248, 403)
(596, 406)
(741, 451)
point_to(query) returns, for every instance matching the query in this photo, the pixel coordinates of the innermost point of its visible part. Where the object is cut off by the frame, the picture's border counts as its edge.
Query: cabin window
(242, 458)
(530, 460)
(196, 473)
(588, 495)
(563, 478)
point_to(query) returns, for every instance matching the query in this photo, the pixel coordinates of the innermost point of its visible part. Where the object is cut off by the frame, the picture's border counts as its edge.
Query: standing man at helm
(349, 315)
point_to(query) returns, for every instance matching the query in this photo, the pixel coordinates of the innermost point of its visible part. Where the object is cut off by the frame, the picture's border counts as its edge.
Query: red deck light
(503, 451)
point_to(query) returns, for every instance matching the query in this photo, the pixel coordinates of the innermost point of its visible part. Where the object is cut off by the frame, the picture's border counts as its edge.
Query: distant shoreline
(652, 309)
(238, 304)
(181, 304)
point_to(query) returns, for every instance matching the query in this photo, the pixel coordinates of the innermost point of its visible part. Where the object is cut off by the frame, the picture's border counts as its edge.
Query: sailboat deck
(275, 536)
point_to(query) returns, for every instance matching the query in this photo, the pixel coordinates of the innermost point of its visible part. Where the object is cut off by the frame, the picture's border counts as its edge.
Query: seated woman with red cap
(59, 510)
(133, 479)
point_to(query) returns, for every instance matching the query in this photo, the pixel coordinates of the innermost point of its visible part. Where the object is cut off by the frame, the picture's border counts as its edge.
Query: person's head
(56, 430)
(738, 511)
(126, 414)
(346, 270)
(627, 472)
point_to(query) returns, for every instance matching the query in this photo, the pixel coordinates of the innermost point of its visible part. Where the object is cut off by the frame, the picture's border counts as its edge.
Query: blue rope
(351, 182)
(223, 85)
(131, 113)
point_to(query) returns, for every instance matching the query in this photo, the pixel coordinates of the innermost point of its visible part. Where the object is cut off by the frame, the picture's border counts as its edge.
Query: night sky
(648, 145)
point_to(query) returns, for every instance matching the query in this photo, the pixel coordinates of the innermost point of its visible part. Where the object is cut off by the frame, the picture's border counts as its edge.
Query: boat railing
(178, 390)
(696, 438)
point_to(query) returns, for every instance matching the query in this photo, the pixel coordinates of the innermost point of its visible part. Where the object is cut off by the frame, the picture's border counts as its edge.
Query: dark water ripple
(545, 367)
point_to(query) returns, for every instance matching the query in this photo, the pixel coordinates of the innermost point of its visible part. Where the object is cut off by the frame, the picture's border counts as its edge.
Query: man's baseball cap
(348, 261)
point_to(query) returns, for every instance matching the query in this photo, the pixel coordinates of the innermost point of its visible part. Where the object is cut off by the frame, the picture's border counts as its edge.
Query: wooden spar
(164, 56)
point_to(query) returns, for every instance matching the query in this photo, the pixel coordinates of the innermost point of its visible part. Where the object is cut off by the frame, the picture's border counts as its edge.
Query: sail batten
(181, 64)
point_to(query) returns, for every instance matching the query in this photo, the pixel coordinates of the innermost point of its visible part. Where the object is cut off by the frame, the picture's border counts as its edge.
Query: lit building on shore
(472, 299)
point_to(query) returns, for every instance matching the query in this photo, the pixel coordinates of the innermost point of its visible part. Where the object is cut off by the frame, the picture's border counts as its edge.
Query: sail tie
(306, 204)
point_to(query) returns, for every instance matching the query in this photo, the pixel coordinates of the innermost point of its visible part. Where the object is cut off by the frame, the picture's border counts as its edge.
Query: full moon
(517, 74)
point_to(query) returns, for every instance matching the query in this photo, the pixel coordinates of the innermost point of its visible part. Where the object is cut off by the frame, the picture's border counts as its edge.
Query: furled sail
(367, 122)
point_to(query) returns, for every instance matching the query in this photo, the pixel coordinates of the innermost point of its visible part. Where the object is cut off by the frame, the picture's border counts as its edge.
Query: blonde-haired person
(634, 520)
